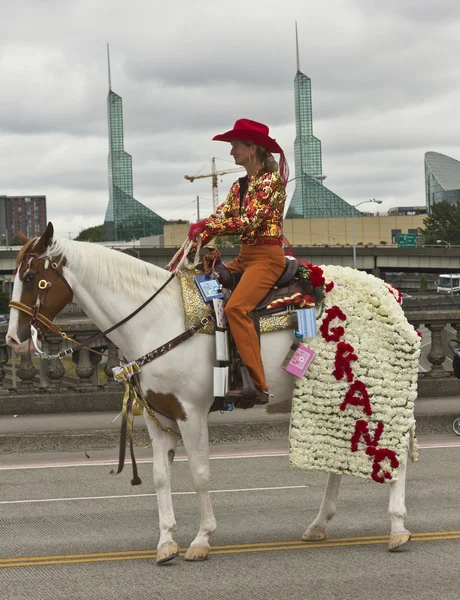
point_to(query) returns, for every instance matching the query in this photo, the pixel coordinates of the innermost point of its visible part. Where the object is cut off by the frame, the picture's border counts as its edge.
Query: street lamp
(443, 242)
(353, 225)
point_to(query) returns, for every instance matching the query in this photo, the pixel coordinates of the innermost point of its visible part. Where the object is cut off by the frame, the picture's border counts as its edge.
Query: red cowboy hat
(250, 131)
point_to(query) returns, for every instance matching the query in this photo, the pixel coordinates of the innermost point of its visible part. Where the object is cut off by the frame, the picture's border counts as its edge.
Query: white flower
(387, 347)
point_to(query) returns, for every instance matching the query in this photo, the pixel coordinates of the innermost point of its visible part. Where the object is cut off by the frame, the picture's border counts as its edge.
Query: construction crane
(214, 174)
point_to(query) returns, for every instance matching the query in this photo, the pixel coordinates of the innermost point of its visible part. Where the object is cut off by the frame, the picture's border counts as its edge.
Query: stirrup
(264, 397)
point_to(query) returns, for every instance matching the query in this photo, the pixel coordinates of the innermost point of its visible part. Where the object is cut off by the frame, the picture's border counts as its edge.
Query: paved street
(71, 530)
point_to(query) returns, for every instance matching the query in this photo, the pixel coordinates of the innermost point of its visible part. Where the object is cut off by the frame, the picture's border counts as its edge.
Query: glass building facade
(442, 179)
(126, 218)
(311, 199)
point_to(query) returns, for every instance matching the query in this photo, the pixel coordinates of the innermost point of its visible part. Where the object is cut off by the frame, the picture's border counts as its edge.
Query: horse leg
(397, 508)
(195, 437)
(316, 532)
(164, 447)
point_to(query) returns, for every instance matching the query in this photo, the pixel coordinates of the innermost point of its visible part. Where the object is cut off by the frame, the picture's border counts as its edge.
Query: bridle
(47, 262)
(44, 263)
(127, 371)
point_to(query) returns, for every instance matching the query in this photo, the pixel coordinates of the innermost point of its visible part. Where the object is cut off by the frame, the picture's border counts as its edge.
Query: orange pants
(261, 267)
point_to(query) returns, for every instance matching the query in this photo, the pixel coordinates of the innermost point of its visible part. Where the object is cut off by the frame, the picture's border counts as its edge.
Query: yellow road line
(229, 549)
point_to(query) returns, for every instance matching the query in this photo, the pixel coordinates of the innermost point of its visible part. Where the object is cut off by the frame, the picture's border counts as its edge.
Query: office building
(126, 218)
(311, 198)
(26, 214)
(442, 179)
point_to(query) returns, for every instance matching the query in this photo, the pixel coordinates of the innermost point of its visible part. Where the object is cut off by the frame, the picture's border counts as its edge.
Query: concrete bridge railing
(84, 381)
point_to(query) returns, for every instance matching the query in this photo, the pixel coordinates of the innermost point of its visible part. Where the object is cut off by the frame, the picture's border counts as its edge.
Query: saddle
(288, 293)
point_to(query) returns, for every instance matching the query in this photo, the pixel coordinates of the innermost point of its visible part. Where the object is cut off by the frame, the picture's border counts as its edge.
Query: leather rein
(44, 285)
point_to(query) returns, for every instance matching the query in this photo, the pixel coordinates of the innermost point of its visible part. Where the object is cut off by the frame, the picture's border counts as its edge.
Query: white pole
(354, 237)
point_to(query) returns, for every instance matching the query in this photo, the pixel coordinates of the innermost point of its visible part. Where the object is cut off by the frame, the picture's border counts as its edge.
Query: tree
(227, 241)
(442, 224)
(14, 241)
(91, 234)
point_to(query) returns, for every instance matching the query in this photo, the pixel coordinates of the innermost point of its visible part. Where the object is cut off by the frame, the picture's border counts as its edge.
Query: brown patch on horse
(166, 404)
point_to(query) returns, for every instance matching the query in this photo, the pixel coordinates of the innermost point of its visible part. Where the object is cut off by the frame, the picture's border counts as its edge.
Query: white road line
(268, 454)
(114, 461)
(131, 496)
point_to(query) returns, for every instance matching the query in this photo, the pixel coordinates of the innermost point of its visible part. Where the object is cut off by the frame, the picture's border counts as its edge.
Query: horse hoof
(314, 534)
(167, 552)
(196, 553)
(398, 540)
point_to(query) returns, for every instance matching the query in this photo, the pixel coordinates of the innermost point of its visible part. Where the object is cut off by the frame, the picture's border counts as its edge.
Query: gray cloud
(384, 84)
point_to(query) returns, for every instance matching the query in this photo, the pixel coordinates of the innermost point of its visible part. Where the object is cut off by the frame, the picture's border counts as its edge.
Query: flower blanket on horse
(354, 408)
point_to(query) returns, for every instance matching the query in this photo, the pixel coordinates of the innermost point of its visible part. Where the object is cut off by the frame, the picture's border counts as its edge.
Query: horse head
(40, 290)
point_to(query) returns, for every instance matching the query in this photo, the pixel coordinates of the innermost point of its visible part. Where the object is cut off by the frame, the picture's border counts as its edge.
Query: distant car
(406, 296)
(3, 320)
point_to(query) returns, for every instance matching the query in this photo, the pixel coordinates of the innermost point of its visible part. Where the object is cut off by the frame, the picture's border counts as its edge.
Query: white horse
(108, 286)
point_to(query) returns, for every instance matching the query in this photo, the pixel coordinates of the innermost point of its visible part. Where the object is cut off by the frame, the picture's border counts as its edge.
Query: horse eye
(29, 277)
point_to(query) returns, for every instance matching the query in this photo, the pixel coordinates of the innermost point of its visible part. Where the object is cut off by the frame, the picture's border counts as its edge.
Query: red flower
(357, 400)
(362, 430)
(395, 292)
(317, 277)
(343, 357)
(316, 274)
(334, 333)
(330, 286)
(378, 474)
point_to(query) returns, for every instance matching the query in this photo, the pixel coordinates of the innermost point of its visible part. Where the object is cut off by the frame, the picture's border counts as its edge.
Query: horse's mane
(24, 250)
(97, 265)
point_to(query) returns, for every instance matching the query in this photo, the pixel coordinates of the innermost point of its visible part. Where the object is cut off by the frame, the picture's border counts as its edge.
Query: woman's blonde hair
(265, 157)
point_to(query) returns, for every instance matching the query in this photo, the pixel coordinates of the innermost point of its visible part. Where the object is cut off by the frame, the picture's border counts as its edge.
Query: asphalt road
(70, 530)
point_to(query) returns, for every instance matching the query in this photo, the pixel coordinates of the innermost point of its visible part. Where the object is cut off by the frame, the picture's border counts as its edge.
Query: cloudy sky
(385, 83)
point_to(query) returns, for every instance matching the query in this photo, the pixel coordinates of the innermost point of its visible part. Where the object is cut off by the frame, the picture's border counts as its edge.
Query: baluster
(111, 362)
(85, 368)
(55, 370)
(26, 372)
(436, 356)
(3, 390)
(95, 360)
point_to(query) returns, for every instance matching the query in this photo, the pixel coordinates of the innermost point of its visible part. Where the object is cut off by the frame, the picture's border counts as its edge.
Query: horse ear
(47, 236)
(49, 233)
(22, 238)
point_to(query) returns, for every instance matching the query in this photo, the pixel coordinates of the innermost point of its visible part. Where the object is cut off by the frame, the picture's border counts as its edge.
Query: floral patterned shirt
(258, 214)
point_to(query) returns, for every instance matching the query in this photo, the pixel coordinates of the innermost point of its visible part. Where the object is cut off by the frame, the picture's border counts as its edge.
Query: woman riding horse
(254, 210)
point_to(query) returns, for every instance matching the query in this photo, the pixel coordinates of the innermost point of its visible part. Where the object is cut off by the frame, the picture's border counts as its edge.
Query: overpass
(374, 259)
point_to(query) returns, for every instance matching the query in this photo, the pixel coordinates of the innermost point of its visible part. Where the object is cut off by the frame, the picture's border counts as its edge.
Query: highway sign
(407, 240)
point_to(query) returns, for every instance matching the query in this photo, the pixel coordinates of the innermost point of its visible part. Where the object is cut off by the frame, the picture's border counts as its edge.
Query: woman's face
(242, 153)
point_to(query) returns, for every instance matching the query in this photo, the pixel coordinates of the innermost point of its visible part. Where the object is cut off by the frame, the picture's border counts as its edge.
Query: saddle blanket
(353, 411)
(195, 308)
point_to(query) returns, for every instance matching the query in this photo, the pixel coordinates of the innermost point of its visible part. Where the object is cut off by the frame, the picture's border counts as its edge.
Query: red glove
(196, 229)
